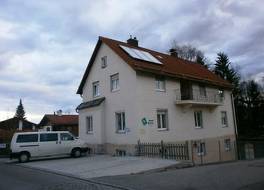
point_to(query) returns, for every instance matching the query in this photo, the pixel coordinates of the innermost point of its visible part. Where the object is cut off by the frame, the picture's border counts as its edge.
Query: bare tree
(190, 53)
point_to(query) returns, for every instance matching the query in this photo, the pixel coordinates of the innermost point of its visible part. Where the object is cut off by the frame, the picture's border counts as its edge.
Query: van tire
(23, 157)
(76, 153)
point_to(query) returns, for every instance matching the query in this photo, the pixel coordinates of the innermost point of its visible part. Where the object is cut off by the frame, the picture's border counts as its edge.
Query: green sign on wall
(144, 121)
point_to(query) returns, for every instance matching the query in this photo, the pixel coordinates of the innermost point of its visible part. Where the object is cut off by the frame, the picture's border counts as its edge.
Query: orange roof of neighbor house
(59, 120)
(171, 66)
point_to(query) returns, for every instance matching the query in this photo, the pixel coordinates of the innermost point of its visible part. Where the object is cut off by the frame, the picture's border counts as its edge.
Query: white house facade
(133, 94)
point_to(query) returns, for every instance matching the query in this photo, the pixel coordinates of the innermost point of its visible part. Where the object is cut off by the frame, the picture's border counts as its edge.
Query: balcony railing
(210, 97)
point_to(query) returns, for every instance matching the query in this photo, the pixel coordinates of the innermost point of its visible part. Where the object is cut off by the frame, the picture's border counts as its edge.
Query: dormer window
(104, 62)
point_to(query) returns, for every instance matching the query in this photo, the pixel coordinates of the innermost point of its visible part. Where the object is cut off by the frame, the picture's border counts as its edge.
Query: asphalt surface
(242, 175)
(16, 177)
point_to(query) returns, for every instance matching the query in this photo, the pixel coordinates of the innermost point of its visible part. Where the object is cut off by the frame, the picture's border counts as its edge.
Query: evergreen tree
(224, 69)
(20, 112)
(200, 59)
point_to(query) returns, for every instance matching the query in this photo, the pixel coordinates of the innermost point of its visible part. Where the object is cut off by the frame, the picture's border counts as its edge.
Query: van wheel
(23, 157)
(76, 153)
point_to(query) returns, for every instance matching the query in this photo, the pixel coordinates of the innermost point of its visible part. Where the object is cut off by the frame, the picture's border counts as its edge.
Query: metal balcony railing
(195, 96)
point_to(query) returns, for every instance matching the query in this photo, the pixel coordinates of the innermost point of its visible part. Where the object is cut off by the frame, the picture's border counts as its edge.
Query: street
(242, 175)
(15, 177)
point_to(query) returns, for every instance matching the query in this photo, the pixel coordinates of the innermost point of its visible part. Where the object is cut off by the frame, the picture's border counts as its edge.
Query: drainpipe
(235, 126)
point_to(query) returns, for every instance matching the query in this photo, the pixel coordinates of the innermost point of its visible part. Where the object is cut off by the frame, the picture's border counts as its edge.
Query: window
(227, 144)
(202, 90)
(198, 119)
(224, 119)
(96, 89)
(162, 119)
(221, 93)
(201, 149)
(115, 82)
(66, 137)
(48, 137)
(120, 121)
(89, 124)
(104, 62)
(27, 138)
(160, 84)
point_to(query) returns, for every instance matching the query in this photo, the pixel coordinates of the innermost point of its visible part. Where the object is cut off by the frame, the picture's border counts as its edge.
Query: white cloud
(46, 45)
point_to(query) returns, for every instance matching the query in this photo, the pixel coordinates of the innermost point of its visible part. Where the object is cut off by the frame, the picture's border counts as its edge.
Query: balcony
(196, 98)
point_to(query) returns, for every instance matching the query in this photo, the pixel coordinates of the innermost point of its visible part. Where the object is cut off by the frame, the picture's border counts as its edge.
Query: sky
(45, 46)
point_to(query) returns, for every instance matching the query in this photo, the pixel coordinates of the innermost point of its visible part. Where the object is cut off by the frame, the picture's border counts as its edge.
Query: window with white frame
(198, 119)
(96, 89)
(120, 122)
(224, 119)
(104, 62)
(201, 149)
(202, 90)
(114, 82)
(160, 84)
(221, 93)
(227, 144)
(162, 119)
(89, 124)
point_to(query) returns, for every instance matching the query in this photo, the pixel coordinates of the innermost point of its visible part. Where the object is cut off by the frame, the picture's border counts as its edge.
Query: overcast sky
(45, 45)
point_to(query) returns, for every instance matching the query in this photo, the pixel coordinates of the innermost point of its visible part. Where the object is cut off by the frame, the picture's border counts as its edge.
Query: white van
(26, 145)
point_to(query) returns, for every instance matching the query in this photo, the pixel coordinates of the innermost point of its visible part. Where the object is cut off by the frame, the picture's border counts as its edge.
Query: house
(59, 122)
(130, 94)
(9, 127)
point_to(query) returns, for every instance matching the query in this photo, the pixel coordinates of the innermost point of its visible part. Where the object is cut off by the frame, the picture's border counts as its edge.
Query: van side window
(66, 137)
(27, 138)
(48, 137)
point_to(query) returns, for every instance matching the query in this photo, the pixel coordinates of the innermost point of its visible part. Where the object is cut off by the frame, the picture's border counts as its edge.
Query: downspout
(235, 126)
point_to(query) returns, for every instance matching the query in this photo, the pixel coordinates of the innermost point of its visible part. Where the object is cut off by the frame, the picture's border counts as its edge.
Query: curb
(171, 167)
(76, 177)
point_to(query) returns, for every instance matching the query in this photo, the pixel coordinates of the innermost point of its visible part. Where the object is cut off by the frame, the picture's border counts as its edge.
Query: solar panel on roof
(130, 52)
(139, 54)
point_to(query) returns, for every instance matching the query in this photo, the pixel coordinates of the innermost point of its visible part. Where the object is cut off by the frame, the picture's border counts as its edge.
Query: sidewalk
(101, 165)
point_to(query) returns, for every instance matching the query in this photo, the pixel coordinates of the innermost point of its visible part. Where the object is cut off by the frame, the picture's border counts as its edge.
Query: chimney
(173, 52)
(59, 113)
(20, 125)
(132, 41)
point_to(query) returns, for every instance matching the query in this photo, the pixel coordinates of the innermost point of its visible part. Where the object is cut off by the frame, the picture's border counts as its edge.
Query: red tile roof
(59, 120)
(171, 67)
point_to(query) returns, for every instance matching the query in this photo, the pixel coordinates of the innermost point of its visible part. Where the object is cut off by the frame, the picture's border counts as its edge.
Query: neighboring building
(9, 127)
(54, 122)
(131, 93)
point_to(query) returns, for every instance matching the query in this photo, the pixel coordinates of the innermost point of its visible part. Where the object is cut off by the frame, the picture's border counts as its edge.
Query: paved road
(242, 175)
(14, 177)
